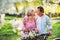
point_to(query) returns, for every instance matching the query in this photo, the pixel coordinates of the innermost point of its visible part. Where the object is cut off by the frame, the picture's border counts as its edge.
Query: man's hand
(50, 33)
(36, 30)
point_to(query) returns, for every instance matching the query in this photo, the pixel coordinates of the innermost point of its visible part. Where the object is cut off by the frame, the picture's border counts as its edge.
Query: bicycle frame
(37, 37)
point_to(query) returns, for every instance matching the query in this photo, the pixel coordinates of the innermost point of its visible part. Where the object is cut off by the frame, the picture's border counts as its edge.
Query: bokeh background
(13, 11)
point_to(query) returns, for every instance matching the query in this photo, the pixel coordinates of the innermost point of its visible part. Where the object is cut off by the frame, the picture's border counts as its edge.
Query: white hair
(29, 10)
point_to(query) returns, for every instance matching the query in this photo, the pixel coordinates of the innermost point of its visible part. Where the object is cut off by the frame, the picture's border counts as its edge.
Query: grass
(15, 37)
(55, 18)
(12, 17)
(11, 37)
(56, 33)
(9, 17)
(55, 28)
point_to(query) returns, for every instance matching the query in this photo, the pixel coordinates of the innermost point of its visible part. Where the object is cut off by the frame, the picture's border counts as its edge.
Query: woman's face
(29, 15)
(33, 13)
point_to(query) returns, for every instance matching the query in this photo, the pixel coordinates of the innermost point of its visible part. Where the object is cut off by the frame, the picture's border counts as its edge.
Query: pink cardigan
(29, 24)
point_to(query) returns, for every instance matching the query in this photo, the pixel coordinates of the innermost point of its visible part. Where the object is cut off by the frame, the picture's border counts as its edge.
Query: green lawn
(13, 17)
(56, 31)
(11, 37)
(55, 18)
(7, 33)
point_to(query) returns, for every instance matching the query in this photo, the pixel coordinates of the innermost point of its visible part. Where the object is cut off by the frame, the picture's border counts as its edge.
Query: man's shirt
(42, 22)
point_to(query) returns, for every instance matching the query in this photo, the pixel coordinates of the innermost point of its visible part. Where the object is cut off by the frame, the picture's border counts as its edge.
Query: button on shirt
(42, 23)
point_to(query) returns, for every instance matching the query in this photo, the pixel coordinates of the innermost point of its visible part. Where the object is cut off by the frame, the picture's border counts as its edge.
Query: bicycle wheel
(40, 38)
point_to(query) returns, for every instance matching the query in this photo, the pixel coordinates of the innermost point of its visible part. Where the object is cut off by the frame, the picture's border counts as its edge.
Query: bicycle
(35, 36)
(42, 37)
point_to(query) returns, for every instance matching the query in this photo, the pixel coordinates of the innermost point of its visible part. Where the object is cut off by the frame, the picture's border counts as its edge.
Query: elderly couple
(37, 21)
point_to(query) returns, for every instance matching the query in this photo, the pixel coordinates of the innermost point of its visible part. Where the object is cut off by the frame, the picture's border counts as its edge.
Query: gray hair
(29, 10)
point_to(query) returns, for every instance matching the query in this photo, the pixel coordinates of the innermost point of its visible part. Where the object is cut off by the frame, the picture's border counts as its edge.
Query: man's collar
(41, 15)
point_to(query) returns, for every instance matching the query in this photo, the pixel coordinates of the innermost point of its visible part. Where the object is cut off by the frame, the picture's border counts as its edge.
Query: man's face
(38, 12)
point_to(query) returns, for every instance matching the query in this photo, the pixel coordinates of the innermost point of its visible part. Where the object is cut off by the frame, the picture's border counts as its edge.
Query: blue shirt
(42, 22)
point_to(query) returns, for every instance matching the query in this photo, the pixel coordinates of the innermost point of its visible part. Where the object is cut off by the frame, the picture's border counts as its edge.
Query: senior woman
(29, 20)
(29, 24)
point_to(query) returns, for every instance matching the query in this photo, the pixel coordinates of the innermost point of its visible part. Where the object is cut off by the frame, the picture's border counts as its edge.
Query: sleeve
(49, 24)
(24, 22)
